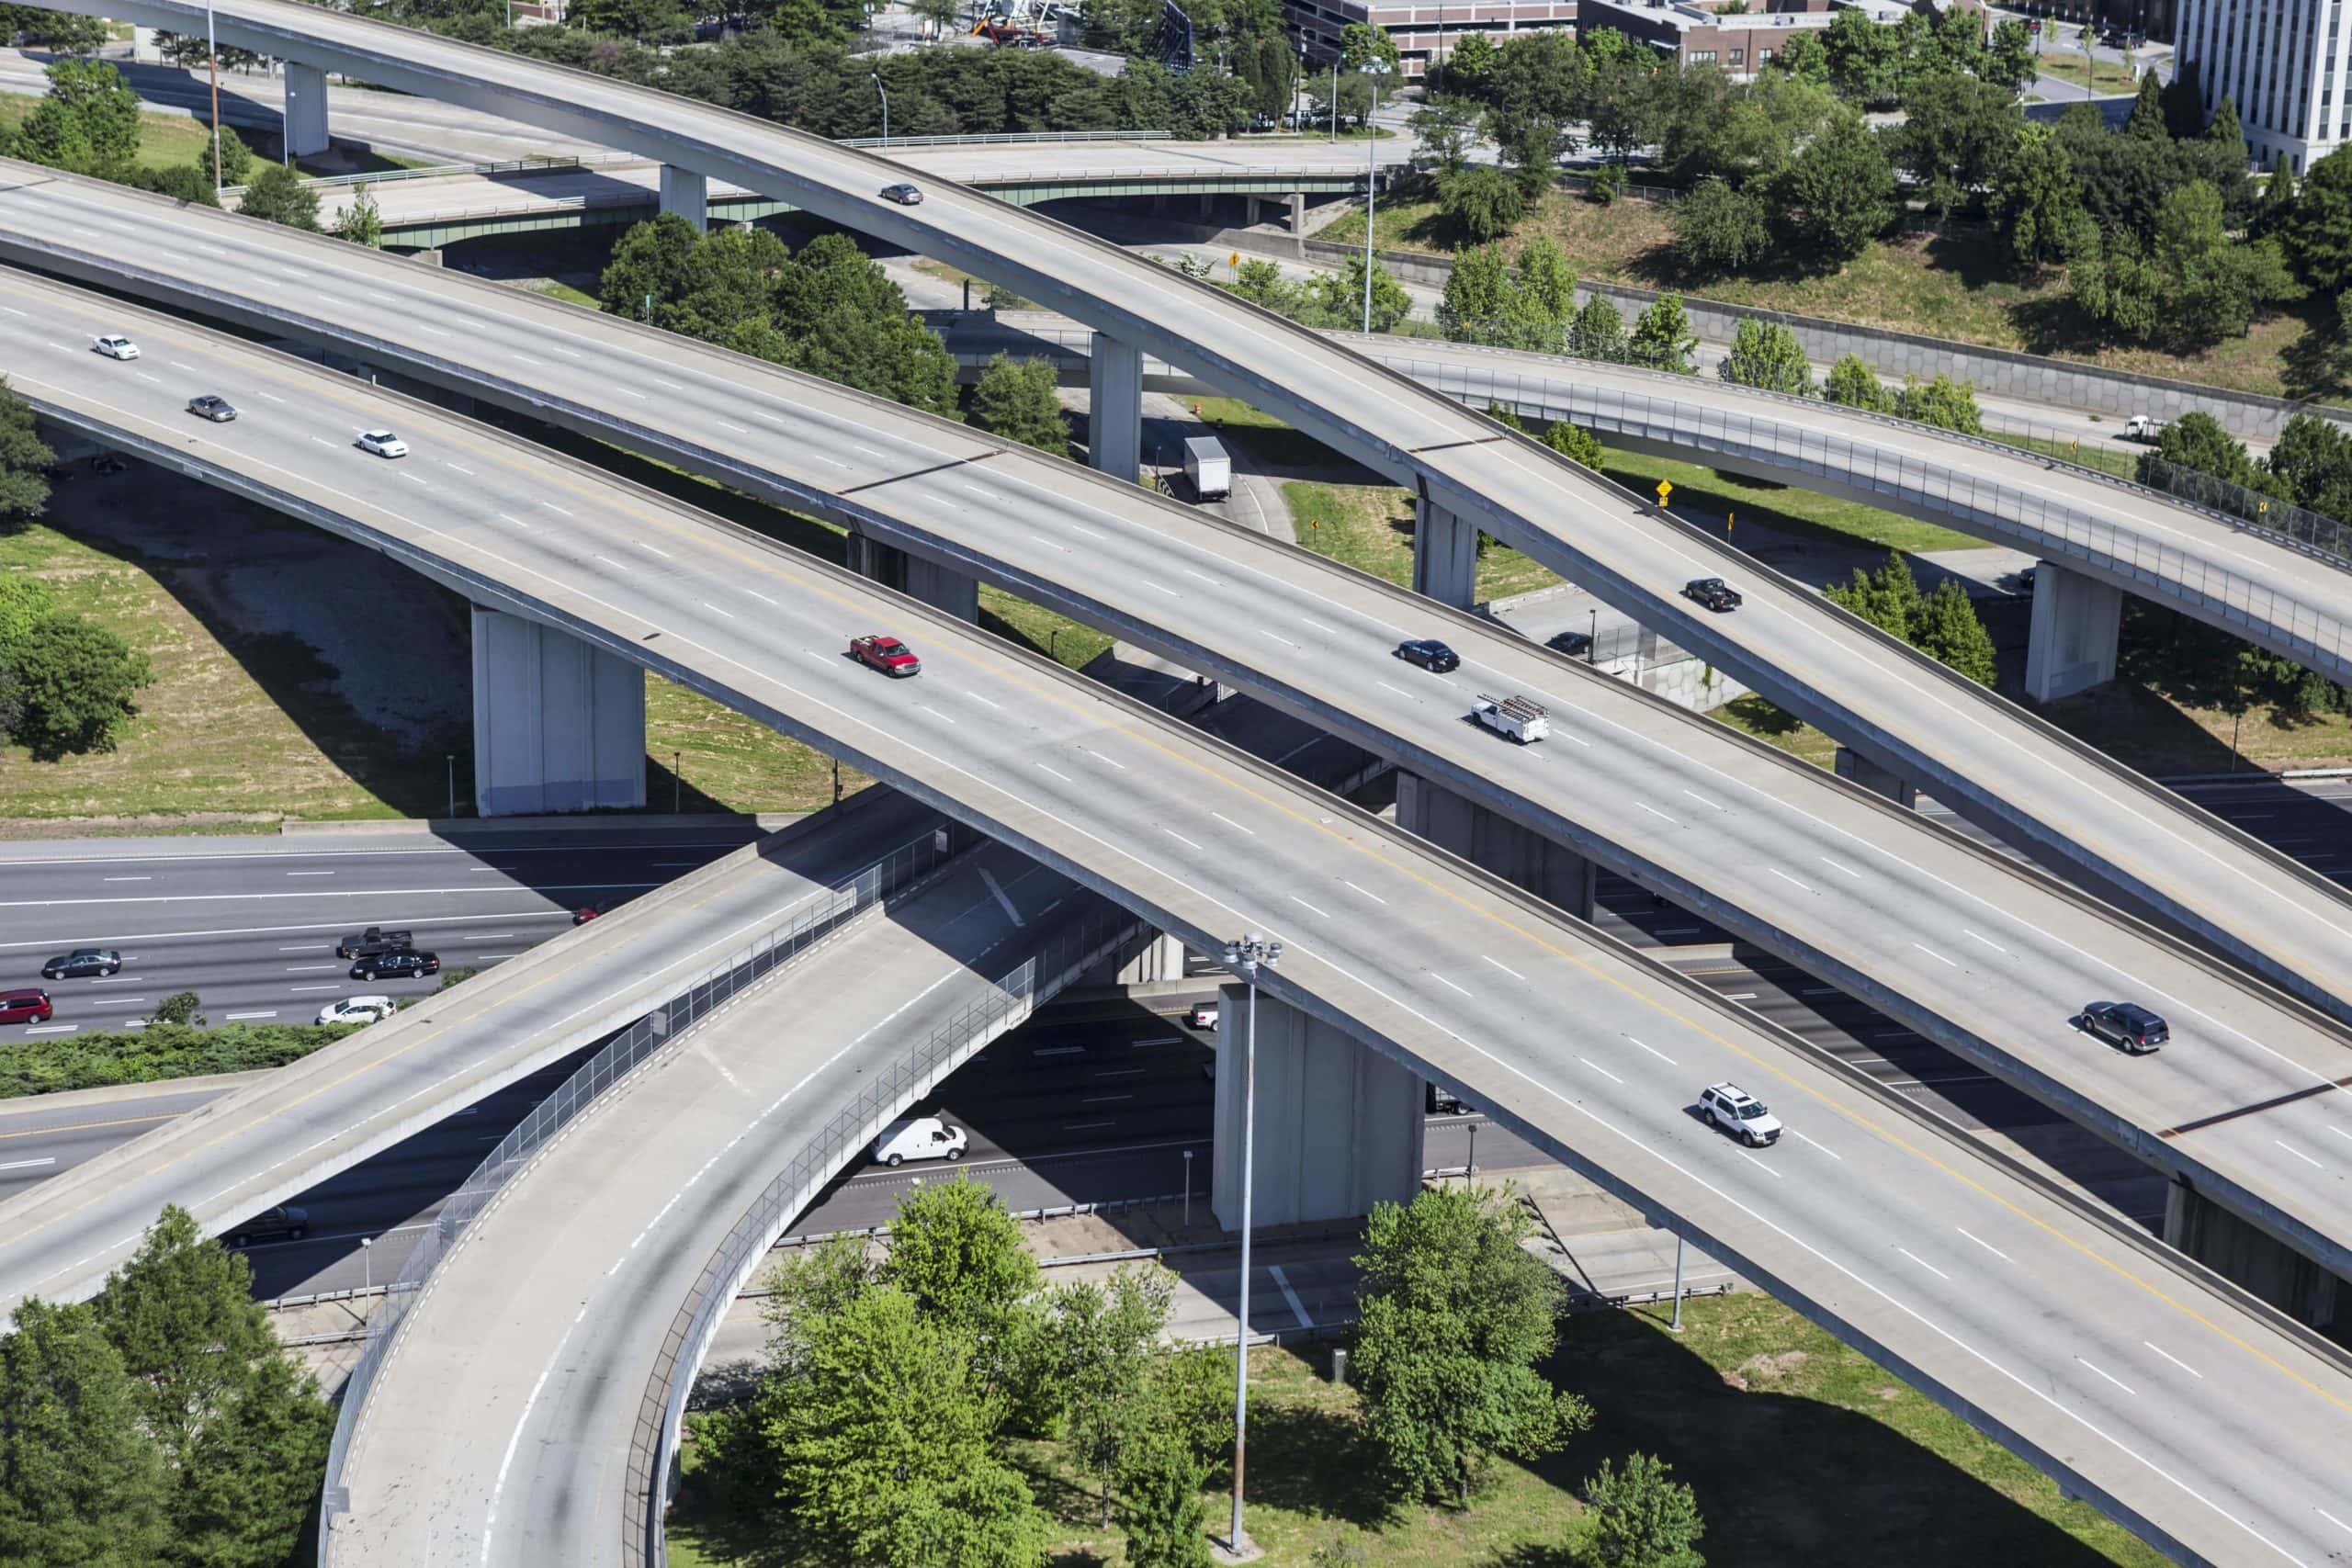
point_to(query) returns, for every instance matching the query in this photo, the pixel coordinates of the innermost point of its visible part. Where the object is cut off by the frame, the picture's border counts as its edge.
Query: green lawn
(555, 289)
(2100, 75)
(1370, 528)
(1803, 1454)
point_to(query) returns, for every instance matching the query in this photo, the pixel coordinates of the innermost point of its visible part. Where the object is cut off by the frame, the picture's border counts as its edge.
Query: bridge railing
(998, 1007)
(714, 988)
(1003, 138)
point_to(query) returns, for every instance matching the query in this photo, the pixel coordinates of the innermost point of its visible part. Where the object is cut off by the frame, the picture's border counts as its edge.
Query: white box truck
(1207, 469)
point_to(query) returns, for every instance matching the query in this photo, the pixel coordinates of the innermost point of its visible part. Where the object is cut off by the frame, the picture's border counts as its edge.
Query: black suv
(1429, 654)
(1713, 592)
(80, 962)
(401, 965)
(2127, 1024)
(285, 1222)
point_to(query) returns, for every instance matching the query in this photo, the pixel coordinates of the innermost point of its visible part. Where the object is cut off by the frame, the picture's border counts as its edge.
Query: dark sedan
(1429, 654)
(2127, 1024)
(81, 962)
(403, 965)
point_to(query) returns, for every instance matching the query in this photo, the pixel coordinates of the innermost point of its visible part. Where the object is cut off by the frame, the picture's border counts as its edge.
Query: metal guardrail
(537, 164)
(711, 989)
(999, 1007)
(1003, 138)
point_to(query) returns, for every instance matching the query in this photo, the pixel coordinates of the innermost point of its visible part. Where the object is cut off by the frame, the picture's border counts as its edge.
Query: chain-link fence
(2298, 525)
(711, 989)
(886, 1095)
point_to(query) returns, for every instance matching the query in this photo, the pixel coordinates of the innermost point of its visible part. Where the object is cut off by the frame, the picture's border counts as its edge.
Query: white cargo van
(919, 1137)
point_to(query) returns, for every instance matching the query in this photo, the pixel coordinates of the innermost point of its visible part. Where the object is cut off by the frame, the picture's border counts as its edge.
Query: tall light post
(1242, 958)
(1374, 68)
(885, 106)
(212, 53)
(1335, 100)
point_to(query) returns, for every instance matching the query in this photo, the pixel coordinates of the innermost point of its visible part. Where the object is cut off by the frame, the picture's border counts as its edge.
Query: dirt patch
(1766, 1371)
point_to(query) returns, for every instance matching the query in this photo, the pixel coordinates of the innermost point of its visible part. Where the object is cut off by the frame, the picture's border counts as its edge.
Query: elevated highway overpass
(1901, 710)
(1973, 951)
(2211, 1425)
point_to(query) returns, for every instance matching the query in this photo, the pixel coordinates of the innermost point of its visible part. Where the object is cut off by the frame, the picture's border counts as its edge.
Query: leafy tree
(1360, 43)
(1598, 331)
(1641, 1518)
(1955, 133)
(1576, 444)
(1943, 402)
(649, 21)
(1476, 292)
(2010, 58)
(1760, 129)
(2115, 284)
(1445, 128)
(24, 460)
(1455, 1316)
(1946, 627)
(1888, 598)
(1544, 284)
(1718, 230)
(236, 160)
(2197, 443)
(884, 1432)
(88, 121)
(1537, 88)
(1857, 386)
(184, 1007)
(1103, 1338)
(956, 1252)
(2121, 179)
(1481, 202)
(2214, 285)
(1766, 354)
(1683, 107)
(360, 223)
(1864, 59)
(2035, 202)
(1261, 283)
(1167, 1523)
(1192, 1393)
(80, 1484)
(2278, 202)
(2147, 118)
(278, 194)
(1662, 337)
(2313, 458)
(1337, 297)
(1469, 62)
(67, 34)
(1616, 93)
(24, 602)
(1839, 193)
(80, 680)
(2317, 231)
(1020, 400)
(242, 1435)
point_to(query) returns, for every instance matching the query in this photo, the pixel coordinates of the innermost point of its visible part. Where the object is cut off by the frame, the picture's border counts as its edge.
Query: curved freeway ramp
(2066, 1339)
(550, 1312)
(1976, 951)
(1903, 709)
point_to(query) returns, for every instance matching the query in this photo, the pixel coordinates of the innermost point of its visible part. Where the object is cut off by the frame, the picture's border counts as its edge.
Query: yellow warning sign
(1665, 490)
(1234, 261)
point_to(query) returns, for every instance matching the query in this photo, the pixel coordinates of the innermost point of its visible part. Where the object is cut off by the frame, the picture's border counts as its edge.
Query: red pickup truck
(887, 654)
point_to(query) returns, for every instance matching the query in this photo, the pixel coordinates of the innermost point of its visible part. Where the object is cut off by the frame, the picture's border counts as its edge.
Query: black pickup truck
(1713, 592)
(373, 942)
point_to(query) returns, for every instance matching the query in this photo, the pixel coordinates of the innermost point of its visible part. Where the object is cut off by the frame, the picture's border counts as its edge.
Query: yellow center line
(671, 519)
(93, 1126)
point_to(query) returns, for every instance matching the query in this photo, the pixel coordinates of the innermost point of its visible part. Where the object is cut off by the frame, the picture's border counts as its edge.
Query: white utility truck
(1524, 721)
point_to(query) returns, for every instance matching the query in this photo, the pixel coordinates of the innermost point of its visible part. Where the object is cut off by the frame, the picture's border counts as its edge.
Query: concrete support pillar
(1340, 1126)
(1526, 859)
(687, 193)
(1250, 212)
(1852, 764)
(2237, 1251)
(306, 109)
(1445, 556)
(1160, 958)
(1298, 221)
(559, 725)
(1208, 206)
(1114, 408)
(943, 588)
(2076, 623)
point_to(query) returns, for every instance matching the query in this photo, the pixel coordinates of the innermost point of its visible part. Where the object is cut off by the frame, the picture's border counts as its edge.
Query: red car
(24, 1006)
(887, 654)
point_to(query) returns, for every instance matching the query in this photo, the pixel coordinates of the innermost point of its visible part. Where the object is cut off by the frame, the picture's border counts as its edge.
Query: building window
(1764, 56)
(1739, 57)
(1703, 57)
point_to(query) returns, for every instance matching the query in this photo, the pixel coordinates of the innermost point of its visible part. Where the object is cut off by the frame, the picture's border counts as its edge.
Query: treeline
(67, 685)
(880, 1426)
(2310, 466)
(159, 1424)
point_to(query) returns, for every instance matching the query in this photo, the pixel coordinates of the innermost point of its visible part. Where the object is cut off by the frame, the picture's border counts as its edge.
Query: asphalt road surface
(250, 924)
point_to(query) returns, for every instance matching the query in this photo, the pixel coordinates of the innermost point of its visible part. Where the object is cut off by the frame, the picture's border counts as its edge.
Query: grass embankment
(1956, 284)
(50, 1064)
(165, 140)
(1802, 1452)
(2100, 75)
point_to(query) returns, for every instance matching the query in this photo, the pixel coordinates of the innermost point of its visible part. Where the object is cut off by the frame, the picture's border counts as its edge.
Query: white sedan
(115, 346)
(382, 443)
(357, 1010)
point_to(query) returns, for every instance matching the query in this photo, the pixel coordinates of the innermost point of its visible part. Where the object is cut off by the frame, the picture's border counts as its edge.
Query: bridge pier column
(559, 725)
(1518, 855)
(2076, 621)
(1445, 556)
(1298, 221)
(1160, 958)
(2240, 1253)
(1852, 764)
(306, 109)
(942, 588)
(1338, 1127)
(687, 193)
(1114, 408)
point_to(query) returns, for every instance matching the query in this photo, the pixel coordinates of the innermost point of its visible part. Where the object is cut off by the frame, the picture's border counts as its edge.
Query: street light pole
(212, 53)
(1242, 958)
(1335, 100)
(1376, 69)
(452, 760)
(885, 106)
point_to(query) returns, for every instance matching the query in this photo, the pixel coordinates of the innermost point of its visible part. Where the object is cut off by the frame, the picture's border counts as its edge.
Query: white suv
(357, 1010)
(1740, 1113)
